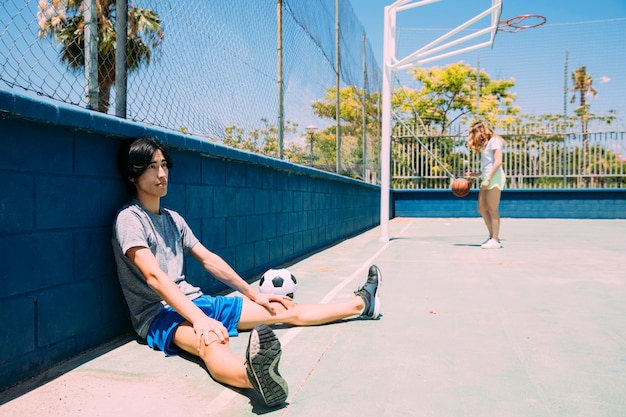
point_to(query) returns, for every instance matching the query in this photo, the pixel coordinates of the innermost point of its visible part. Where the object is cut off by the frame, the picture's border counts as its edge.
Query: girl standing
(492, 179)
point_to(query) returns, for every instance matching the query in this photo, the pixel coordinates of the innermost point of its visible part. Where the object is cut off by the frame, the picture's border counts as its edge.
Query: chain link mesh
(199, 67)
(541, 62)
(209, 68)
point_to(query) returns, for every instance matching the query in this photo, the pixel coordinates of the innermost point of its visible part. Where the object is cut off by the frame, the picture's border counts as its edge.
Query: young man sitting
(149, 243)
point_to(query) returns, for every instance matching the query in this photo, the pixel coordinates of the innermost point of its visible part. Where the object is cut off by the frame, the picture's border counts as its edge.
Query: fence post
(478, 88)
(364, 110)
(281, 111)
(121, 25)
(91, 55)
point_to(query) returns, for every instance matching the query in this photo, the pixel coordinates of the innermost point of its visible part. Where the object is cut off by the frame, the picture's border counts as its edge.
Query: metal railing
(531, 161)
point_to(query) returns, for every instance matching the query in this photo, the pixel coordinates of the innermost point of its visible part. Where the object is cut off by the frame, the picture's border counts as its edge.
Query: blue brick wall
(564, 204)
(59, 294)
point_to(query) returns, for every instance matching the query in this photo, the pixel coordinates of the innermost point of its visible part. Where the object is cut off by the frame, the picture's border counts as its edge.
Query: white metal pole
(385, 152)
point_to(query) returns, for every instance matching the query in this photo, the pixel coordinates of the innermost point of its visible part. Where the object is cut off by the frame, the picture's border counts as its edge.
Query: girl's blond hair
(479, 135)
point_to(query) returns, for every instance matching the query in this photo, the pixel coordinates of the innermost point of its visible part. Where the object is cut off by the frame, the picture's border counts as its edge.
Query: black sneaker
(262, 357)
(370, 293)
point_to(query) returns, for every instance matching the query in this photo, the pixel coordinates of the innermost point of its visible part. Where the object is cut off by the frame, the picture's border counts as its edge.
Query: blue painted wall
(558, 204)
(59, 294)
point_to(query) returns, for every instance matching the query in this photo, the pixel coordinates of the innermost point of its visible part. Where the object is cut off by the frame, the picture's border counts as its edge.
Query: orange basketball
(460, 187)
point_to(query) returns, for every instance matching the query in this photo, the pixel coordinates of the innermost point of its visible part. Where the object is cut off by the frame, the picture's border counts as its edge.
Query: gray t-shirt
(168, 237)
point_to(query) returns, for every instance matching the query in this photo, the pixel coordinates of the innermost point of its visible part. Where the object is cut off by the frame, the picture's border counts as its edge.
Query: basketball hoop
(517, 23)
(483, 28)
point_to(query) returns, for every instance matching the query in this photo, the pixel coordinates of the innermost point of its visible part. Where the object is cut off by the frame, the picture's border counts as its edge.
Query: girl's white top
(488, 156)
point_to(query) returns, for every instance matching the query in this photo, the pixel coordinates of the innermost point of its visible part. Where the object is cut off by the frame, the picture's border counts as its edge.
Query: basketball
(460, 187)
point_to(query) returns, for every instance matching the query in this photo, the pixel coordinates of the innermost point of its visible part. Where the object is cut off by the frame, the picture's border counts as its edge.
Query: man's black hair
(134, 157)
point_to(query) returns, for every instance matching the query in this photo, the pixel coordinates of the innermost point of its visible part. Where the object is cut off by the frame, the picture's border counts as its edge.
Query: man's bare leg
(259, 370)
(365, 302)
(223, 365)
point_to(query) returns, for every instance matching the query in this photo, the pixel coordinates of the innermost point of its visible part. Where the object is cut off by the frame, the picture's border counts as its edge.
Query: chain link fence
(207, 68)
(541, 63)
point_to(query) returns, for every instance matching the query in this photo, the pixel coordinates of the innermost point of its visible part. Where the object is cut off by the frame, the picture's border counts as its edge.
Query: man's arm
(218, 267)
(167, 289)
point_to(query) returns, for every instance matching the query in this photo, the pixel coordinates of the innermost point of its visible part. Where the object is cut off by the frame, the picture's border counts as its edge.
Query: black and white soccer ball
(278, 282)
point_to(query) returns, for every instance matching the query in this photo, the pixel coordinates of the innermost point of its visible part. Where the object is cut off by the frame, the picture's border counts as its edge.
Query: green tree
(448, 93)
(445, 94)
(64, 21)
(351, 114)
(263, 140)
(582, 86)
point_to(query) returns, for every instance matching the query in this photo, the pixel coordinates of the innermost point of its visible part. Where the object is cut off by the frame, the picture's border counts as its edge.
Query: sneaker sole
(263, 356)
(376, 296)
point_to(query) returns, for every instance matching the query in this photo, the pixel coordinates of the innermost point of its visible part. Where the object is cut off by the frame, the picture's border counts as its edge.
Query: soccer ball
(278, 282)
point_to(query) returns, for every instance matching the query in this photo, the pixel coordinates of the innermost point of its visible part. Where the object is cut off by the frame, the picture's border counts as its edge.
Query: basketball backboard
(476, 30)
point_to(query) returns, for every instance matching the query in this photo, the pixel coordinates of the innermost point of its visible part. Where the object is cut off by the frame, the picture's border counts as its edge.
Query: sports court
(537, 328)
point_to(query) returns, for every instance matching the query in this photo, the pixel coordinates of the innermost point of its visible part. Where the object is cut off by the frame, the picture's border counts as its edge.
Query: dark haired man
(149, 242)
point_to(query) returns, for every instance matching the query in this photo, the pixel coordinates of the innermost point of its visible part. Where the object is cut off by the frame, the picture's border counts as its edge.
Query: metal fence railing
(531, 161)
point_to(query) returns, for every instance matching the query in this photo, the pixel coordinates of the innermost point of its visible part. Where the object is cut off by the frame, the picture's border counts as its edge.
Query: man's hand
(207, 329)
(266, 301)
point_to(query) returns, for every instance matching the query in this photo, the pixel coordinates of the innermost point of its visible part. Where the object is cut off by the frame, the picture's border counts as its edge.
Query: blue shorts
(226, 310)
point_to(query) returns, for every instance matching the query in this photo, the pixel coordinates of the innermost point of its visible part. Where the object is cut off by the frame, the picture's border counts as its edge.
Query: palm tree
(63, 21)
(582, 85)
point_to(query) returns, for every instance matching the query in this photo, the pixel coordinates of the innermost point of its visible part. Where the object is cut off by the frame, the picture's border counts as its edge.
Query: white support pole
(385, 151)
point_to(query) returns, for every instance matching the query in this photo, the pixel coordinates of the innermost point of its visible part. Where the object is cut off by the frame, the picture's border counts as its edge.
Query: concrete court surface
(535, 329)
